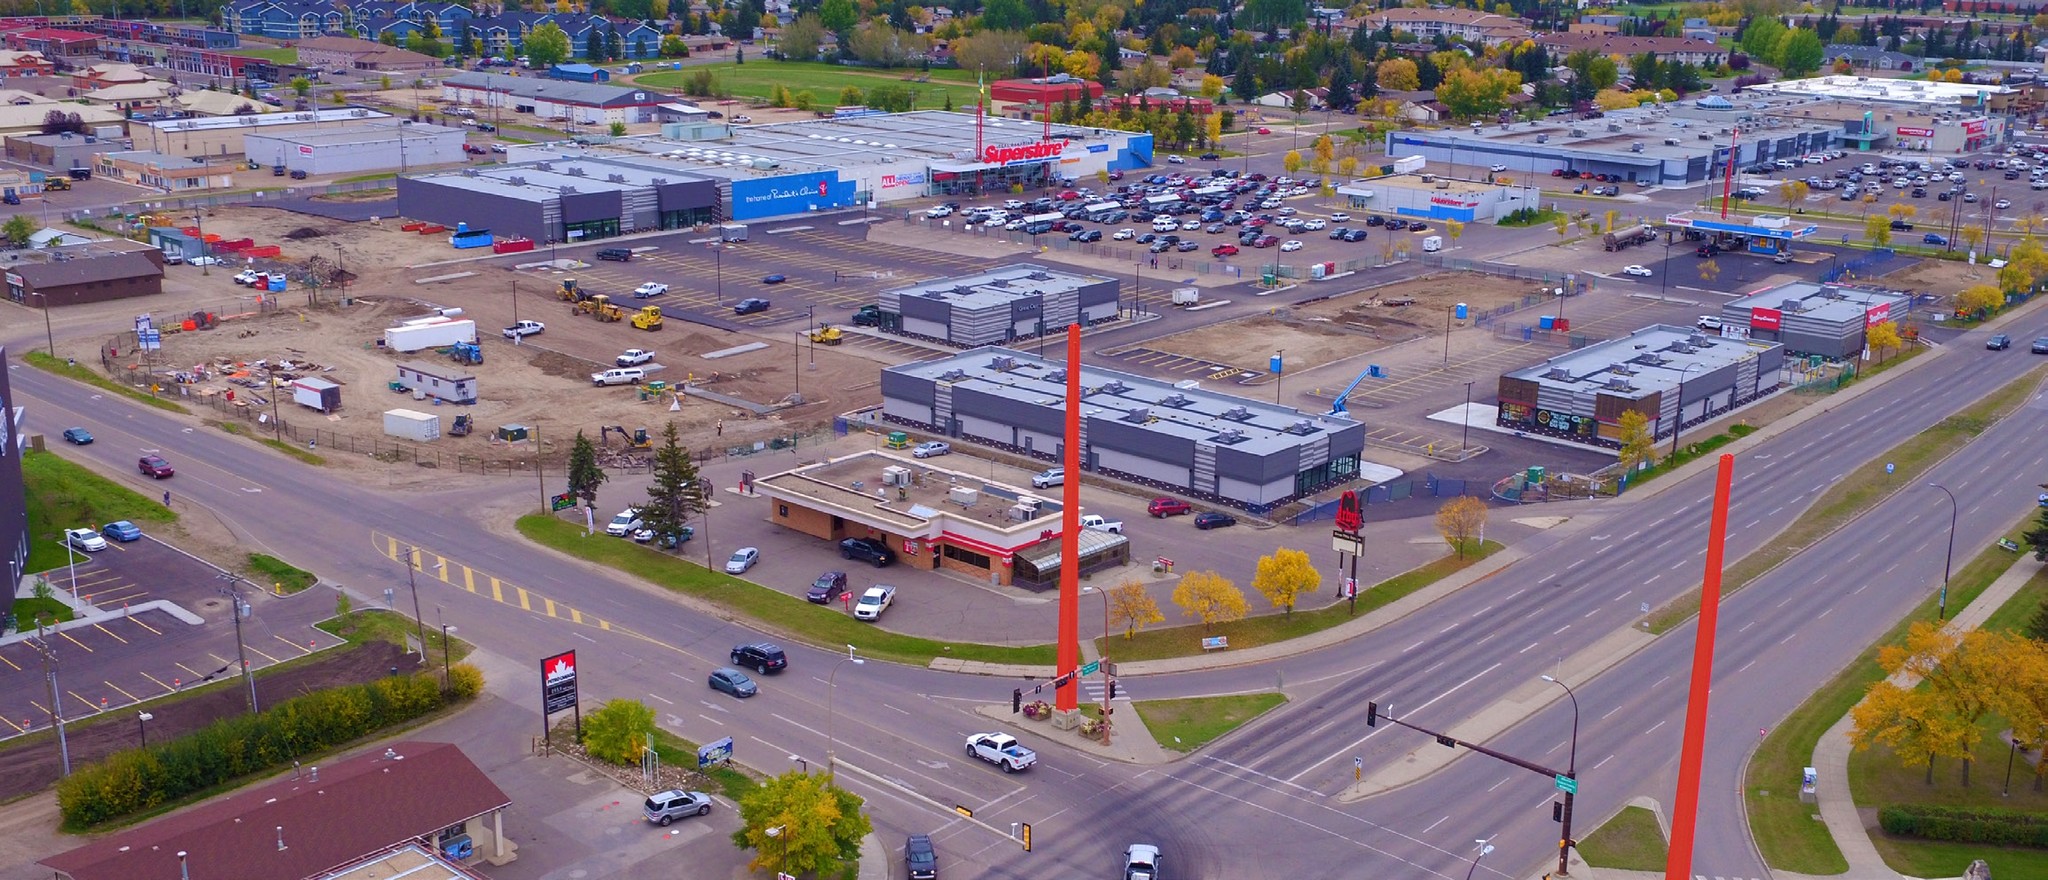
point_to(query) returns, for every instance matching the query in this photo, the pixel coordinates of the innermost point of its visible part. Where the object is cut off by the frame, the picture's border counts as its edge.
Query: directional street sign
(1567, 784)
(1091, 668)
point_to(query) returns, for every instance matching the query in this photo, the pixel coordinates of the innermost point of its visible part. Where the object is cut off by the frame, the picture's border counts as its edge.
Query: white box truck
(429, 334)
(1432, 244)
(412, 425)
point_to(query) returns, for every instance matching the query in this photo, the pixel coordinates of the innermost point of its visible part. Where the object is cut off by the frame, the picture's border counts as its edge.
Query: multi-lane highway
(1265, 798)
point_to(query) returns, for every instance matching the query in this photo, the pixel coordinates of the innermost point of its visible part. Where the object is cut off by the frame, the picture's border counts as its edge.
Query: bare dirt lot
(1329, 330)
(543, 382)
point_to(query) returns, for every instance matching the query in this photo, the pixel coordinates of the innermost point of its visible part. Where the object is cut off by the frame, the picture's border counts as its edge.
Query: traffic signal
(1016, 701)
(1556, 811)
(1112, 688)
(1026, 830)
(1372, 714)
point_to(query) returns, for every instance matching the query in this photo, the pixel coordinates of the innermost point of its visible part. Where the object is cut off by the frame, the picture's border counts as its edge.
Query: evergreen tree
(593, 46)
(1244, 85)
(614, 46)
(676, 493)
(584, 474)
(1340, 87)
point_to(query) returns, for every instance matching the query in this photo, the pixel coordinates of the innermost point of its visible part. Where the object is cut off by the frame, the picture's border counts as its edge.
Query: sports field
(756, 79)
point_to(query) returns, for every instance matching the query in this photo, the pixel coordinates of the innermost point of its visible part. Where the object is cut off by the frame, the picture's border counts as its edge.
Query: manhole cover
(214, 603)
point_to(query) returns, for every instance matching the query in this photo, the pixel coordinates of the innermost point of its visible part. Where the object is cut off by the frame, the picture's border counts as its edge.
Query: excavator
(637, 439)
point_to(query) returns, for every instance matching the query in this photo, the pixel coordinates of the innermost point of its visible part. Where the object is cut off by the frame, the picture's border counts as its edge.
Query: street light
(831, 720)
(1678, 424)
(718, 273)
(1479, 852)
(445, 630)
(1466, 419)
(241, 652)
(782, 852)
(48, 334)
(1571, 772)
(412, 564)
(143, 732)
(1947, 566)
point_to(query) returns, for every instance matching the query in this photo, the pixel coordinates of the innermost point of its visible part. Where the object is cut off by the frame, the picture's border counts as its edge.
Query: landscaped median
(801, 620)
(1189, 724)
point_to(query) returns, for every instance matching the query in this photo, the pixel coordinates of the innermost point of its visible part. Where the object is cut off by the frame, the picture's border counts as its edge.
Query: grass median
(77, 372)
(61, 495)
(1860, 490)
(777, 611)
(1631, 841)
(1189, 724)
(1266, 629)
(283, 577)
(1788, 831)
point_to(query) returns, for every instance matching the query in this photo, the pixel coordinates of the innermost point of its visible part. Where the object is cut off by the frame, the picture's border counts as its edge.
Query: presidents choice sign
(1028, 153)
(790, 194)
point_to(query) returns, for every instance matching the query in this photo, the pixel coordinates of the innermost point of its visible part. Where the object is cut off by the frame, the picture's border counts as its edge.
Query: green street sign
(1567, 784)
(1092, 667)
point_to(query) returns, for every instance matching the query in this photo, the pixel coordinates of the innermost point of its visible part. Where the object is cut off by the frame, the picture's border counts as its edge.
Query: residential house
(1868, 58)
(130, 97)
(1683, 49)
(22, 117)
(296, 20)
(108, 73)
(353, 53)
(25, 63)
(1472, 26)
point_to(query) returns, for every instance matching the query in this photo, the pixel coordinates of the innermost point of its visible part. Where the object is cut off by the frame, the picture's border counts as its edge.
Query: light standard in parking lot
(718, 272)
(142, 718)
(1678, 424)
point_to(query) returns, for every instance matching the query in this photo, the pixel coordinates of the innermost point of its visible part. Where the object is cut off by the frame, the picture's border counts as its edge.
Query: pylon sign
(1349, 515)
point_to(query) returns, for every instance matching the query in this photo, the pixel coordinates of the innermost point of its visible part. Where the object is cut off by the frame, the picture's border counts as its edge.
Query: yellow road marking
(143, 625)
(196, 674)
(67, 637)
(131, 697)
(302, 648)
(604, 624)
(217, 657)
(469, 578)
(551, 605)
(443, 566)
(3, 659)
(159, 682)
(17, 728)
(575, 616)
(524, 603)
(110, 633)
(40, 708)
(88, 703)
(497, 591)
(259, 652)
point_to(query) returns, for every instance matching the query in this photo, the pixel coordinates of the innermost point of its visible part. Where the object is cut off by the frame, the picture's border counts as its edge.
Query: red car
(1165, 507)
(1224, 250)
(1266, 241)
(1265, 131)
(156, 468)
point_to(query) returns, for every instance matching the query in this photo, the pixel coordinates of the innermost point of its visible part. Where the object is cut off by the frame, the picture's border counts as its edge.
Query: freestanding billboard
(790, 194)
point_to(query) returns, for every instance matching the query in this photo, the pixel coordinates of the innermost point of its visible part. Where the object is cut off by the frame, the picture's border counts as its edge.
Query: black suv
(621, 255)
(761, 657)
(921, 858)
(829, 586)
(867, 551)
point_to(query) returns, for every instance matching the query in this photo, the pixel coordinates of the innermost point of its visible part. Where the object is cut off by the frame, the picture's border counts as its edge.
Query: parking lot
(126, 651)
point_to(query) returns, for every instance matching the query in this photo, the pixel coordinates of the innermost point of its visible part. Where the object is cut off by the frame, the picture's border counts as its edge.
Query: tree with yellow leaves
(1563, 225)
(1210, 597)
(1972, 236)
(1131, 607)
(1616, 99)
(1462, 522)
(1902, 212)
(1212, 124)
(1398, 75)
(1347, 166)
(1792, 192)
(1284, 576)
(1454, 229)
(1291, 161)
(1962, 678)
(1883, 339)
(1182, 58)
(1980, 297)
(1638, 446)
(1212, 86)
(1878, 230)
(1709, 270)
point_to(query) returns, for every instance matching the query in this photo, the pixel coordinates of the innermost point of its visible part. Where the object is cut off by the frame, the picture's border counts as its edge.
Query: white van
(1432, 244)
(619, 376)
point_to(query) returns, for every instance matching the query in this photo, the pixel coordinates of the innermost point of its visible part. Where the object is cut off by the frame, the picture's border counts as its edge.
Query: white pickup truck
(634, 357)
(873, 602)
(1098, 523)
(1002, 750)
(525, 328)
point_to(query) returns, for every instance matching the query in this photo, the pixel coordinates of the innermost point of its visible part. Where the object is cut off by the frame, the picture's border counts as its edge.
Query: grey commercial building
(62, 151)
(1809, 318)
(1672, 375)
(1686, 142)
(357, 148)
(1178, 439)
(563, 200)
(1000, 305)
(13, 493)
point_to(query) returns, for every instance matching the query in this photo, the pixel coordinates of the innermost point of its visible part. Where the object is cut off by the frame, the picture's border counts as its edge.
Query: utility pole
(241, 650)
(49, 655)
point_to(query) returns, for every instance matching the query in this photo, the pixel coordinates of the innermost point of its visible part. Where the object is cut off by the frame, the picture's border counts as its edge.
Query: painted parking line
(159, 682)
(118, 689)
(302, 649)
(67, 637)
(110, 633)
(138, 622)
(89, 705)
(3, 659)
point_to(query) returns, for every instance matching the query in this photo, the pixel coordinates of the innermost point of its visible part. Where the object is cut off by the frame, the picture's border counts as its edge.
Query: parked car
(524, 329)
(774, 279)
(85, 539)
(121, 530)
(77, 436)
(827, 588)
(1141, 862)
(155, 467)
(1999, 342)
(742, 559)
(1165, 507)
(663, 807)
(1639, 271)
(624, 523)
(650, 289)
(867, 550)
(931, 448)
(1048, 478)
(733, 681)
(749, 306)
(762, 657)
(873, 602)
(1210, 519)
(621, 255)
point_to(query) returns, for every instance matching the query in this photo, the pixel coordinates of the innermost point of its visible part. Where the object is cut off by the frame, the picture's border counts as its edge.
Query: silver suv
(1048, 478)
(664, 807)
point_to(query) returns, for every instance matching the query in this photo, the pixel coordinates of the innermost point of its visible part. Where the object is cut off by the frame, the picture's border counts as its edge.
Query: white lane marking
(1352, 748)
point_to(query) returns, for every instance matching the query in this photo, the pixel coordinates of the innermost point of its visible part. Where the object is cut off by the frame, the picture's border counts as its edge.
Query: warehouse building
(1876, 113)
(583, 103)
(1809, 318)
(563, 200)
(61, 151)
(1439, 198)
(1214, 447)
(1000, 305)
(935, 518)
(224, 136)
(1686, 142)
(171, 174)
(74, 276)
(357, 148)
(1671, 375)
(795, 168)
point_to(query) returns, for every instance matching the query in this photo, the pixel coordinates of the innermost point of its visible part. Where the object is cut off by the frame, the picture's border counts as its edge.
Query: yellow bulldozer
(648, 318)
(827, 334)
(570, 292)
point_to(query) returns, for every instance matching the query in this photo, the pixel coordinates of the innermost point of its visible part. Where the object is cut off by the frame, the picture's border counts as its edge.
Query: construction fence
(1430, 486)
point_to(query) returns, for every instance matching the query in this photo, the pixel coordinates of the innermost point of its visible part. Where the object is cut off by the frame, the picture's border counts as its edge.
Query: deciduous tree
(801, 39)
(546, 46)
(1398, 74)
(1462, 522)
(1131, 607)
(1878, 230)
(617, 730)
(1979, 296)
(1883, 339)
(817, 826)
(1209, 597)
(1793, 192)
(1284, 575)
(1291, 161)
(18, 228)
(1638, 446)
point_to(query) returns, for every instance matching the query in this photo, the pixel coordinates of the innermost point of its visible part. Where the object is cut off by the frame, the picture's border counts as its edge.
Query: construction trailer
(434, 332)
(412, 425)
(317, 394)
(449, 383)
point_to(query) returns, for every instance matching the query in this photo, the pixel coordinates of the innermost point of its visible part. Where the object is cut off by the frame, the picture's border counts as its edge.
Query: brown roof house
(72, 278)
(358, 809)
(349, 53)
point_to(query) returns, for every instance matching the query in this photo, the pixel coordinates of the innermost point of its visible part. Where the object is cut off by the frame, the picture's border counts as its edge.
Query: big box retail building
(1809, 318)
(1000, 305)
(357, 148)
(1672, 375)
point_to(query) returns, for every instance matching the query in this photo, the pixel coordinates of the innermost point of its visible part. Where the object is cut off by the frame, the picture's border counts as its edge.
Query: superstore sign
(1037, 152)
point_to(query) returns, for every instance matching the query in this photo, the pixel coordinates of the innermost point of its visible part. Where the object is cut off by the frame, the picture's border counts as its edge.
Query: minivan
(618, 376)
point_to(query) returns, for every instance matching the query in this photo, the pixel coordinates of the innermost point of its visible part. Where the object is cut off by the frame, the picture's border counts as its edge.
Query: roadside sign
(1091, 667)
(1567, 784)
(963, 811)
(1345, 542)
(715, 753)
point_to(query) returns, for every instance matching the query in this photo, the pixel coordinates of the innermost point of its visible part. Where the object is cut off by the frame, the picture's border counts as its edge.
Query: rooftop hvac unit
(963, 496)
(1021, 513)
(546, 166)
(1138, 415)
(575, 171)
(1002, 363)
(1228, 436)
(1619, 384)
(1302, 426)
(1056, 376)
(895, 475)
(568, 190)
(1791, 305)
(1114, 387)
(1621, 370)
(1174, 400)
(1237, 414)
(516, 180)
(1557, 374)
(952, 375)
(616, 178)
(1543, 138)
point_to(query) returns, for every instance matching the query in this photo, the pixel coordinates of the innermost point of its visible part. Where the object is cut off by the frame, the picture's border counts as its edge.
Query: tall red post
(1068, 697)
(1685, 815)
(1728, 179)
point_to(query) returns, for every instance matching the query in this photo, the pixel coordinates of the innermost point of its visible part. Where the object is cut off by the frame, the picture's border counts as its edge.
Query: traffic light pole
(1565, 841)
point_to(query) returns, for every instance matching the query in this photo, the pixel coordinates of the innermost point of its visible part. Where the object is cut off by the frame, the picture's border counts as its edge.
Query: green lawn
(1187, 725)
(782, 612)
(1631, 841)
(81, 373)
(1789, 832)
(27, 611)
(1939, 859)
(286, 55)
(280, 576)
(757, 79)
(1266, 629)
(63, 495)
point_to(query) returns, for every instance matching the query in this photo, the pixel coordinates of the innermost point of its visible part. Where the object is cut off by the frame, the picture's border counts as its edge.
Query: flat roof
(1767, 225)
(1437, 183)
(358, 134)
(854, 482)
(215, 123)
(999, 285)
(1243, 423)
(1826, 302)
(1695, 132)
(1882, 90)
(1649, 361)
(160, 160)
(546, 89)
(935, 137)
(542, 180)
